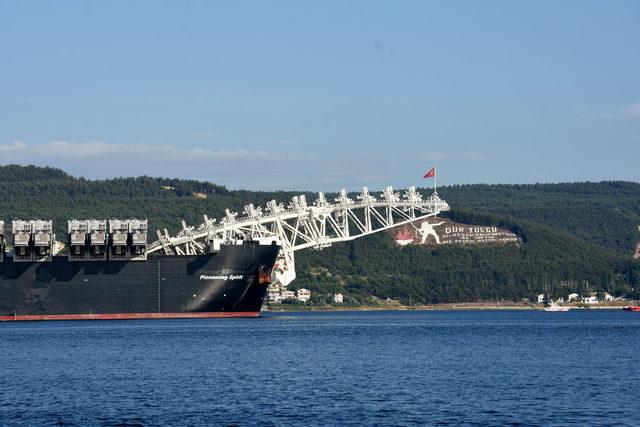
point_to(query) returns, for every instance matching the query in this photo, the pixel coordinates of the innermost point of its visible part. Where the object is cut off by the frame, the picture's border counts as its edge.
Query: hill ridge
(577, 236)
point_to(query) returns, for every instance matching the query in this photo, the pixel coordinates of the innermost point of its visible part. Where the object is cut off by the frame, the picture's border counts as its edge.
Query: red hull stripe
(127, 316)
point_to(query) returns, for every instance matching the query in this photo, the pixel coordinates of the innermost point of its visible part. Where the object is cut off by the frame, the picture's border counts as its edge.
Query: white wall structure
(287, 295)
(303, 295)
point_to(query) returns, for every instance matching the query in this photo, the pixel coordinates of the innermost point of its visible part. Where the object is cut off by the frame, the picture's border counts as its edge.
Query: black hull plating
(234, 280)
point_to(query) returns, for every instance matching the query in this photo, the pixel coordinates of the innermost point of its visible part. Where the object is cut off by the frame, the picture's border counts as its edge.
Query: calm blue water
(380, 368)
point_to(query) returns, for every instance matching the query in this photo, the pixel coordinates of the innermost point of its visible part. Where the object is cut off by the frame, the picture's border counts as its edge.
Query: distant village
(278, 293)
(591, 298)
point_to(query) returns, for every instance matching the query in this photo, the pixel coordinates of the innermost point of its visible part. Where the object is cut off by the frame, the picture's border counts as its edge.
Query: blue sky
(323, 94)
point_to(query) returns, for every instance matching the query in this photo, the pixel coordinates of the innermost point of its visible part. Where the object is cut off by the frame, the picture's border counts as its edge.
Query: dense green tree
(576, 237)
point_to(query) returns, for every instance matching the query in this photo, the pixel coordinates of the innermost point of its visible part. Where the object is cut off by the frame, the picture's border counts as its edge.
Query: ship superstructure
(33, 240)
(88, 240)
(301, 225)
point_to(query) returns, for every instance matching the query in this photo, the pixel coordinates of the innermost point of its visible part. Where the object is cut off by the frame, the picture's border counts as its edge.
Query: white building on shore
(287, 295)
(338, 298)
(278, 293)
(304, 295)
(274, 293)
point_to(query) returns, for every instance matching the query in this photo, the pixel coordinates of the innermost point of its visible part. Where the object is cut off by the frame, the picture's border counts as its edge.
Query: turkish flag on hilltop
(431, 173)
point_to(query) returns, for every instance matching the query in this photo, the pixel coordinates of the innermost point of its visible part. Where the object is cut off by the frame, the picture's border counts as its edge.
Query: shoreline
(441, 307)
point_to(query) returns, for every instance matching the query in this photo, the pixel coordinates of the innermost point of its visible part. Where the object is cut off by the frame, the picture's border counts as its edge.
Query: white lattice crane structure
(300, 225)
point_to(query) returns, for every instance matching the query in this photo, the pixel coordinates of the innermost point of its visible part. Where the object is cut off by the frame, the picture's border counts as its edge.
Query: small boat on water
(632, 308)
(553, 306)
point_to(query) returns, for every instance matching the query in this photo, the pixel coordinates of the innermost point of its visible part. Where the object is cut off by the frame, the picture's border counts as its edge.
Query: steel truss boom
(300, 225)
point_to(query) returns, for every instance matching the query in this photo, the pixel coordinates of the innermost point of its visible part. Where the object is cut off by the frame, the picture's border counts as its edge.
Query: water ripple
(381, 368)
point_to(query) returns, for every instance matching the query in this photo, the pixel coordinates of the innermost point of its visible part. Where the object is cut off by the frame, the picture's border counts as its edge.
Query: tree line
(577, 237)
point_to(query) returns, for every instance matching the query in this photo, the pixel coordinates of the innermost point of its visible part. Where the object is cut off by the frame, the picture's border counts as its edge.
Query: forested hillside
(576, 236)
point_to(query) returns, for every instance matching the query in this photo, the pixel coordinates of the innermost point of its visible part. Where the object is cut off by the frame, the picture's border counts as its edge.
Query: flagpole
(435, 180)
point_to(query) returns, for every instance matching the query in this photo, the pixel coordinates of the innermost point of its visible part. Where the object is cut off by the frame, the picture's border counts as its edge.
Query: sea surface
(340, 368)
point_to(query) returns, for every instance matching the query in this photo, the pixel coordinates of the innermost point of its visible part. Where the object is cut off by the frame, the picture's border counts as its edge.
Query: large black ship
(215, 269)
(108, 276)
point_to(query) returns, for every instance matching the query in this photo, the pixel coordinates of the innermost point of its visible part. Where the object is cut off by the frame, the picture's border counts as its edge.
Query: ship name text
(221, 277)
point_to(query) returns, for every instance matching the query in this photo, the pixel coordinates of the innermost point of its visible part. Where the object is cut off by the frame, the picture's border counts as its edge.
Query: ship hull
(230, 283)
